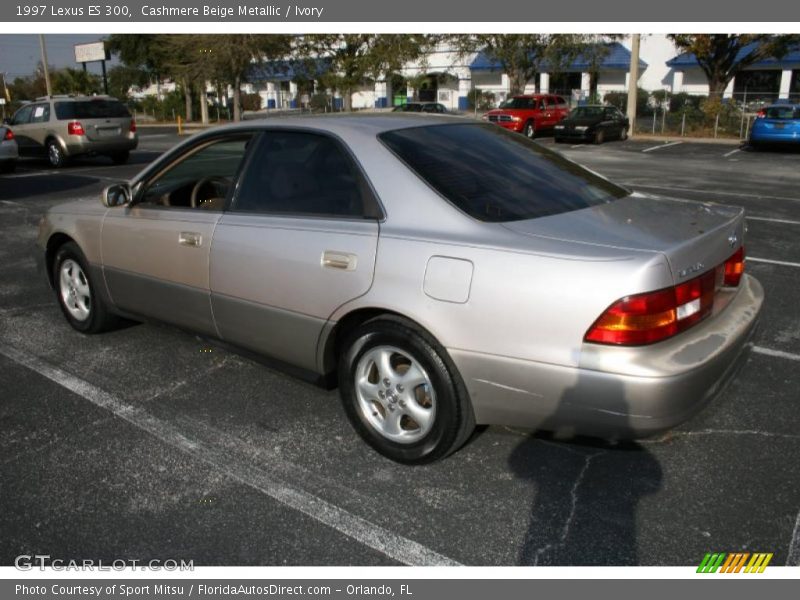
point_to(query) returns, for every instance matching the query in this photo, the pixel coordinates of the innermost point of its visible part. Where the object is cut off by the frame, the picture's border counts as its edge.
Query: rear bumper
(572, 135)
(617, 392)
(82, 146)
(8, 152)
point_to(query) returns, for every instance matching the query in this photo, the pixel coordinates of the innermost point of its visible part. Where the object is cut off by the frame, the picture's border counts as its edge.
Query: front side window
(22, 116)
(300, 173)
(495, 175)
(201, 179)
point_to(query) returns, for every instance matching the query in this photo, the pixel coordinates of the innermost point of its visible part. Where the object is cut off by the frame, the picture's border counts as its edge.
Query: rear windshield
(587, 112)
(91, 109)
(498, 176)
(783, 112)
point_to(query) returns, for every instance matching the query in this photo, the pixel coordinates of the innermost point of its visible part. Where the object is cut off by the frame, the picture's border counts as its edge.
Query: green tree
(522, 56)
(75, 81)
(721, 56)
(358, 59)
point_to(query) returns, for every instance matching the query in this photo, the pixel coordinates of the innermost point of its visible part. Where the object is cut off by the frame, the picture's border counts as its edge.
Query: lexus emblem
(732, 239)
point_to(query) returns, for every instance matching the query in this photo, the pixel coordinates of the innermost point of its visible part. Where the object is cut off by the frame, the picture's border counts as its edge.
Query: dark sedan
(593, 124)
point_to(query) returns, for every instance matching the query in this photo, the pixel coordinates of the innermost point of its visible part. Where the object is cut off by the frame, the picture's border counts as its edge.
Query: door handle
(190, 238)
(339, 260)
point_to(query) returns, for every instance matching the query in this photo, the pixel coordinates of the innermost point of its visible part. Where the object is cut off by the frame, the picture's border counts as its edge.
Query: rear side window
(41, 113)
(497, 176)
(22, 116)
(91, 109)
(300, 173)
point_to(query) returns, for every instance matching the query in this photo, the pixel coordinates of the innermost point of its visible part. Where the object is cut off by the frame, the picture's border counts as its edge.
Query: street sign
(90, 52)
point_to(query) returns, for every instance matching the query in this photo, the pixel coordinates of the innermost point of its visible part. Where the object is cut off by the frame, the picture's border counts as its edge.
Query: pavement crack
(793, 558)
(562, 539)
(701, 432)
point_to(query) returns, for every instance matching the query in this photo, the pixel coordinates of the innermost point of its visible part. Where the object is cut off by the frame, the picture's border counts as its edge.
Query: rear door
(298, 242)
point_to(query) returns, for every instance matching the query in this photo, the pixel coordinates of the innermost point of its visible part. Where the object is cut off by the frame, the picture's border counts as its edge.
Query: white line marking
(713, 192)
(577, 146)
(775, 353)
(731, 152)
(667, 145)
(382, 540)
(783, 263)
(771, 220)
(793, 560)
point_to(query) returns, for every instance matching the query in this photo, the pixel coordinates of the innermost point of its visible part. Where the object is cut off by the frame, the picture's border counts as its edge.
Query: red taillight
(761, 114)
(9, 135)
(654, 316)
(133, 126)
(75, 128)
(734, 267)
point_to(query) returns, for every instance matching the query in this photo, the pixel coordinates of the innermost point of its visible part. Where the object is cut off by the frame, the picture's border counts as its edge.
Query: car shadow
(587, 490)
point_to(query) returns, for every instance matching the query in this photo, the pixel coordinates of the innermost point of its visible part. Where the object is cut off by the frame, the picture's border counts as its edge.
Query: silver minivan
(62, 127)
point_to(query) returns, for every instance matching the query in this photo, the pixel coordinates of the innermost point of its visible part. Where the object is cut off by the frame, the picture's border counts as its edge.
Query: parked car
(593, 124)
(530, 114)
(776, 124)
(8, 149)
(62, 127)
(443, 272)
(425, 107)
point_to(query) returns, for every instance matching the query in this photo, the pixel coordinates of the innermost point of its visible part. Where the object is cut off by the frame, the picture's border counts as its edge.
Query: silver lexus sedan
(444, 273)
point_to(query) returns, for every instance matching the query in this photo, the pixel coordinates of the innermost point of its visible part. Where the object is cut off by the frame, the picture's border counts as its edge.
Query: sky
(19, 54)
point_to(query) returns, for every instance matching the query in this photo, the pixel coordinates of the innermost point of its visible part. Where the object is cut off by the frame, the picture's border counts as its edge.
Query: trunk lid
(693, 236)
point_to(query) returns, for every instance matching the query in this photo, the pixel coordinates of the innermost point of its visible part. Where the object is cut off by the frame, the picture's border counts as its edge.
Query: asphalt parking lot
(147, 443)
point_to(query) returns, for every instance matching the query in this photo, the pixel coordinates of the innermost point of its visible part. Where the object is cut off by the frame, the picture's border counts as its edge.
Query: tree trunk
(717, 82)
(347, 99)
(237, 93)
(203, 103)
(187, 93)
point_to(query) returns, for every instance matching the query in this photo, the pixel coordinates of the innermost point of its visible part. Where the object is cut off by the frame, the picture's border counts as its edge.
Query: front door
(156, 252)
(298, 242)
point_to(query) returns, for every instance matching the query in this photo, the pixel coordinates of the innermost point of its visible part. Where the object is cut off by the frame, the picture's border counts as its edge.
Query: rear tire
(623, 135)
(558, 140)
(120, 158)
(77, 294)
(402, 394)
(55, 154)
(8, 167)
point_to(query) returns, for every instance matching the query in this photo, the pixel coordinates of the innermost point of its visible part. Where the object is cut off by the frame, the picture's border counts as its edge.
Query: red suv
(529, 114)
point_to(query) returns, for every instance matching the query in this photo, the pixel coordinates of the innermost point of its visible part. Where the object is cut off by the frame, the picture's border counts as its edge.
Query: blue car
(777, 124)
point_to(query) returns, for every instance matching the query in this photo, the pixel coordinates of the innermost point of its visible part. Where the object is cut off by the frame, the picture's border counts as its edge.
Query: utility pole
(44, 65)
(633, 82)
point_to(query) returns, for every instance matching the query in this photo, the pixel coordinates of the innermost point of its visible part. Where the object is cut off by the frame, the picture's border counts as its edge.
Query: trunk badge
(695, 268)
(732, 239)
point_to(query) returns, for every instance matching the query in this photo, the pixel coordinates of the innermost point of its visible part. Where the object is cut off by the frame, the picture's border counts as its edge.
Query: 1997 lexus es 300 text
(446, 273)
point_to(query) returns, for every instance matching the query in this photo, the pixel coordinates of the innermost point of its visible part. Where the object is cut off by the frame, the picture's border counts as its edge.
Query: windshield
(783, 112)
(586, 112)
(91, 109)
(495, 175)
(519, 103)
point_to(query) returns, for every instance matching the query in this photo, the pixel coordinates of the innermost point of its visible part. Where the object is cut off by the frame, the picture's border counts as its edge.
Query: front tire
(623, 135)
(599, 137)
(77, 294)
(529, 131)
(402, 394)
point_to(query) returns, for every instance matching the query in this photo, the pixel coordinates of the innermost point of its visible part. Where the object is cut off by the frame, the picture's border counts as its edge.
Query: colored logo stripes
(734, 562)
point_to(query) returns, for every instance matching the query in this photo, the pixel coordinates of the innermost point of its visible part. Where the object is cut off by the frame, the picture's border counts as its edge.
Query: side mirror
(118, 194)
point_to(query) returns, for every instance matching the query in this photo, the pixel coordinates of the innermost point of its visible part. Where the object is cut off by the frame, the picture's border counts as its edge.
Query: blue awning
(617, 58)
(792, 58)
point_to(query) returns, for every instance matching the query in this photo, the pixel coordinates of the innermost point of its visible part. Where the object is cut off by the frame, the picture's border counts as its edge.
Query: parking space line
(793, 560)
(771, 220)
(732, 152)
(783, 263)
(775, 353)
(713, 192)
(667, 145)
(374, 536)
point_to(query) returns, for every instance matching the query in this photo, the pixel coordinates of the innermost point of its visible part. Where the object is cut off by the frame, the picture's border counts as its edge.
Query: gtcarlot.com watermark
(28, 562)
